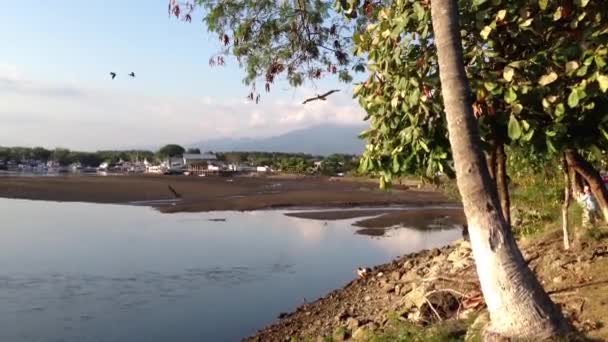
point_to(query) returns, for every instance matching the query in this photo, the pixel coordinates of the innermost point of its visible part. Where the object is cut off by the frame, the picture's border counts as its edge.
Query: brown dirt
(576, 280)
(213, 193)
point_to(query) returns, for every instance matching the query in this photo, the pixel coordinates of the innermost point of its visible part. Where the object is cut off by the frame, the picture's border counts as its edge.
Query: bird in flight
(132, 74)
(321, 97)
(113, 74)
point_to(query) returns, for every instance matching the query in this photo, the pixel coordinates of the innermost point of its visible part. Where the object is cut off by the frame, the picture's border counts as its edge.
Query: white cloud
(79, 116)
(9, 72)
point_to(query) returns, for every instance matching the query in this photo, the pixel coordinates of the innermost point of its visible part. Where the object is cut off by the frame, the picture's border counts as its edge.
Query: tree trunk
(592, 177)
(518, 305)
(576, 179)
(502, 184)
(567, 201)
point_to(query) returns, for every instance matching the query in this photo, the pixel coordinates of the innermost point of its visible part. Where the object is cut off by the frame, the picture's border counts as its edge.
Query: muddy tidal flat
(200, 194)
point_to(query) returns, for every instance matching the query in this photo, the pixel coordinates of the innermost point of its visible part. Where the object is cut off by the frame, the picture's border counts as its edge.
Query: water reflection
(90, 272)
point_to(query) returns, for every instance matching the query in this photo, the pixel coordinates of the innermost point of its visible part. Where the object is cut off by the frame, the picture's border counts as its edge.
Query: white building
(173, 163)
(263, 169)
(199, 158)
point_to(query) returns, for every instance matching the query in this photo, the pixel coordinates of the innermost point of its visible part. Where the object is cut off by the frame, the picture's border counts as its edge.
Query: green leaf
(364, 166)
(571, 66)
(547, 79)
(602, 80)
(517, 64)
(528, 136)
(490, 86)
(395, 102)
(599, 61)
(573, 99)
(357, 89)
(396, 165)
(507, 74)
(419, 10)
(581, 3)
(560, 110)
(526, 22)
(582, 71)
(510, 96)
(517, 108)
(550, 146)
(557, 15)
(485, 32)
(424, 146)
(500, 16)
(542, 4)
(604, 133)
(514, 129)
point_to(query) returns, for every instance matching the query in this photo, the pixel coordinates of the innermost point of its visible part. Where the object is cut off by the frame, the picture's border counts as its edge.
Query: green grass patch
(536, 200)
(403, 331)
(597, 233)
(397, 330)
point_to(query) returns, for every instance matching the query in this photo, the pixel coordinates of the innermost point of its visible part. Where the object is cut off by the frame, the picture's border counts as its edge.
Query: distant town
(171, 159)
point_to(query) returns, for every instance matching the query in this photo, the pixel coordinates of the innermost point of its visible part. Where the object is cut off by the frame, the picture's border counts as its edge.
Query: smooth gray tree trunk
(566, 204)
(518, 305)
(502, 183)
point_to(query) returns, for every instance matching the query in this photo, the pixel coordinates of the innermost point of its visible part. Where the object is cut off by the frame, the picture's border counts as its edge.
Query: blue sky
(54, 80)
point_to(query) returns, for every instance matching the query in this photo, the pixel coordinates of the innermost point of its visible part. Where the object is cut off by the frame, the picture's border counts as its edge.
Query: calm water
(90, 272)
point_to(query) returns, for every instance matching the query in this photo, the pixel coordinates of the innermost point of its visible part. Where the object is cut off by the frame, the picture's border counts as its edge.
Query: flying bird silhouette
(113, 74)
(132, 74)
(321, 97)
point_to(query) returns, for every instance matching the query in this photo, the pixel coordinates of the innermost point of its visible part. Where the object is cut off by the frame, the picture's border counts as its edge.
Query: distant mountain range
(316, 140)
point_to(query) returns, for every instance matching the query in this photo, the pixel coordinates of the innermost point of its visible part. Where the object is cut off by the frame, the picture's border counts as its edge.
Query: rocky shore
(441, 285)
(422, 287)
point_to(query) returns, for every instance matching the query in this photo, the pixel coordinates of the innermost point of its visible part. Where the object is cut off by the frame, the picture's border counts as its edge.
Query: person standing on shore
(589, 205)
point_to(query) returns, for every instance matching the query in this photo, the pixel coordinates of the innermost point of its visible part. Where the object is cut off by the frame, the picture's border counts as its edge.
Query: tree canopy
(298, 40)
(170, 150)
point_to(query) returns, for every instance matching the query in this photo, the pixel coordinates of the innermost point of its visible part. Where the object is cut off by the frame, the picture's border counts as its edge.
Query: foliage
(536, 190)
(537, 70)
(338, 163)
(193, 151)
(408, 131)
(597, 233)
(130, 155)
(550, 69)
(170, 150)
(63, 156)
(520, 58)
(298, 163)
(303, 39)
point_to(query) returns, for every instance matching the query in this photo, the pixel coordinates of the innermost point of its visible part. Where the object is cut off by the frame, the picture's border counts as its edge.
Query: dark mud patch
(372, 231)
